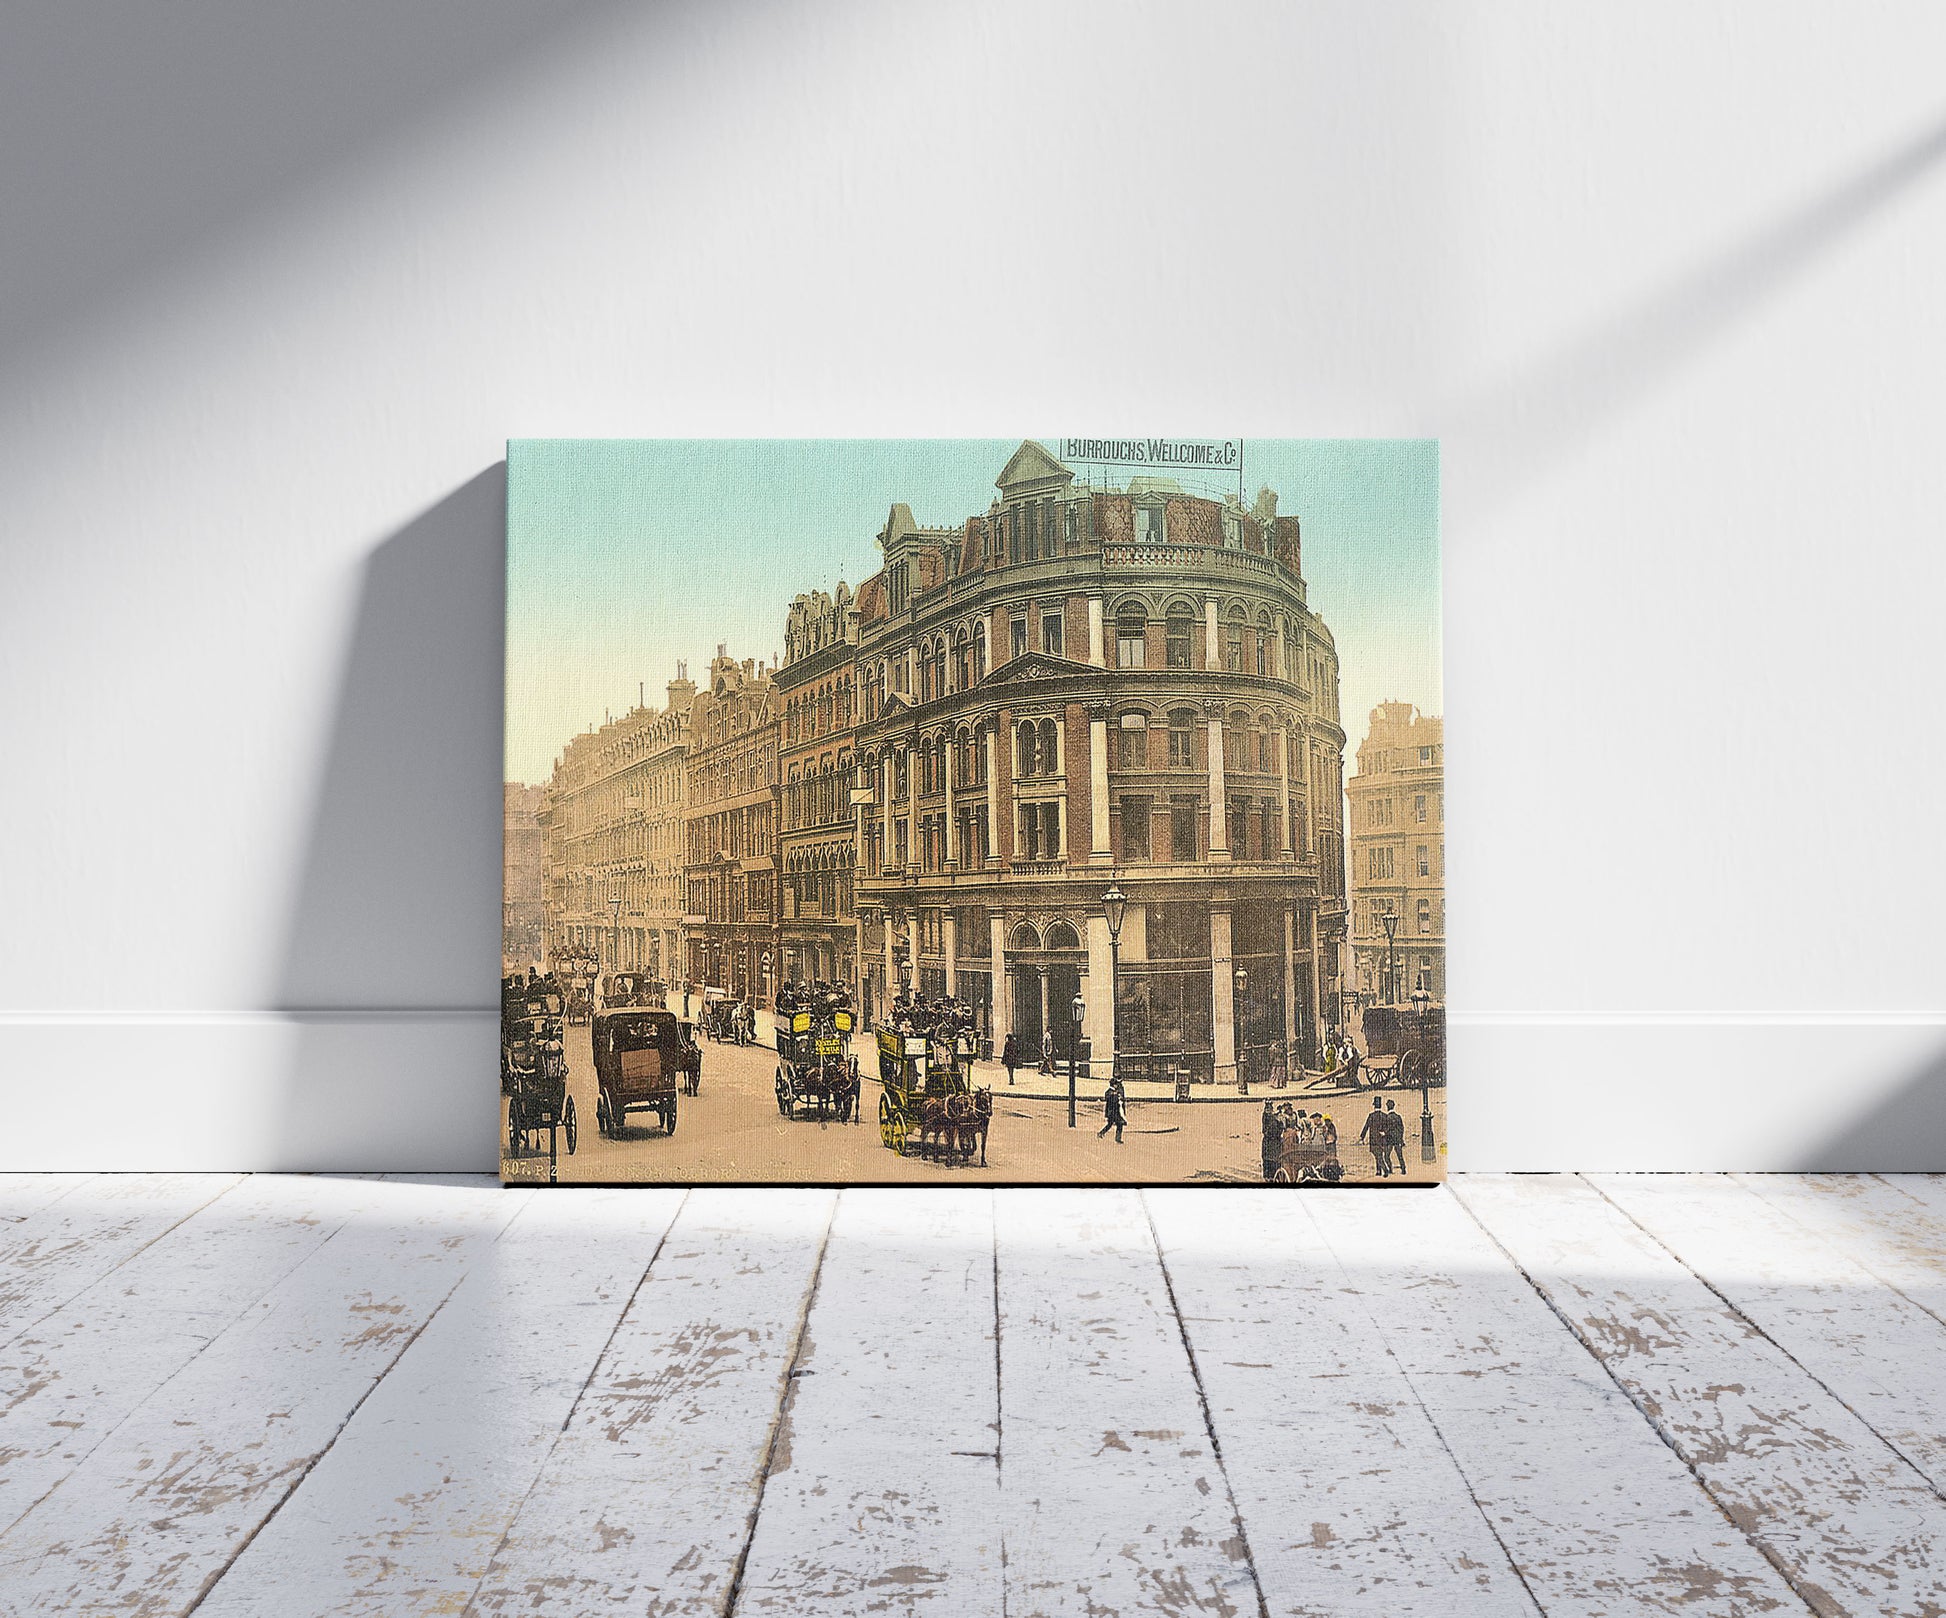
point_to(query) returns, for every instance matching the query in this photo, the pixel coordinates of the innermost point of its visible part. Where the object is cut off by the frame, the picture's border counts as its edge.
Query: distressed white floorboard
(1877, 1351)
(1894, 1224)
(646, 1503)
(1112, 1497)
(1350, 1501)
(22, 1194)
(884, 1493)
(404, 1512)
(1597, 1513)
(67, 1244)
(69, 1380)
(1856, 1528)
(155, 1513)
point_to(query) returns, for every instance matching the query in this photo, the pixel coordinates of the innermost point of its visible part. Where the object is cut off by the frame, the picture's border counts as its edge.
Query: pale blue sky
(626, 555)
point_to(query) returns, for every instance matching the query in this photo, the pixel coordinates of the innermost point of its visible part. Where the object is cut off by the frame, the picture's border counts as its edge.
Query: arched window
(1025, 749)
(1233, 642)
(1050, 749)
(1132, 742)
(1061, 936)
(980, 651)
(1266, 642)
(1263, 746)
(1131, 636)
(1181, 641)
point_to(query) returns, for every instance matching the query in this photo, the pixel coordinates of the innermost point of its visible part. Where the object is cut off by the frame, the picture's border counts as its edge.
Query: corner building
(1092, 687)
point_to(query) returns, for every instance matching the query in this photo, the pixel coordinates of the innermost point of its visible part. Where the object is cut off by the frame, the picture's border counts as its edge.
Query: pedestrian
(1273, 1139)
(1047, 1050)
(1114, 1106)
(1328, 1132)
(1377, 1136)
(1353, 1060)
(1010, 1056)
(1395, 1133)
(685, 1001)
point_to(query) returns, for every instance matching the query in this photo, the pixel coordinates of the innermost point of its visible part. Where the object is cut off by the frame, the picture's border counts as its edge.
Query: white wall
(278, 282)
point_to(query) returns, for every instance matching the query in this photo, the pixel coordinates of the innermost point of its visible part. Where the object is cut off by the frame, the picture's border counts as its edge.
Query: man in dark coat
(1395, 1134)
(1377, 1137)
(1114, 1106)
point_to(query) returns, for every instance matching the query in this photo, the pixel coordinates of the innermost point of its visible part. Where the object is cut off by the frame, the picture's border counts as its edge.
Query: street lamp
(1243, 1073)
(1390, 920)
(615, 930)
(1114, 906)
(1078, 1007)
(769, 989)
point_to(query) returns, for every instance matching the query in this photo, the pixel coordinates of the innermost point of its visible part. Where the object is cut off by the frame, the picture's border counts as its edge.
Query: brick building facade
(816, 703)
(732, 855)
(1398, 856)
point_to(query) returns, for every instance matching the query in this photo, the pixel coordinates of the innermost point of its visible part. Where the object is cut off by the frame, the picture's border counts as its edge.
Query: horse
(976, 1118)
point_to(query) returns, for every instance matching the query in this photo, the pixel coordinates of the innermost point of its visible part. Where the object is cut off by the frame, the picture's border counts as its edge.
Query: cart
(1405, 1046)
(640, 1059)
(535, 1076)
(1296, 1152)
(815, 1071)
(929, 1108)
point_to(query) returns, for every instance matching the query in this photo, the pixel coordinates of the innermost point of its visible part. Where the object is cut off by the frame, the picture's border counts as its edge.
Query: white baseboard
(415, 1090)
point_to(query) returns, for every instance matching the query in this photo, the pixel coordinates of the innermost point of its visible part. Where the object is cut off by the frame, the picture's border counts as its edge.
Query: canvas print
(1045, 810)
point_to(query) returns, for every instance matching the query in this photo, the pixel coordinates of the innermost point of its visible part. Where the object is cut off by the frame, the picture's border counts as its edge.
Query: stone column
(1284, 785)
(1003, 1006)
(911, 812)
(1219, 803)
(1098, 992)
(1212, 655)
(1222, 988)
(891, 988)
(952, 820)
(1101, 851)
(886, 778)
(1097, 643)
(1325, 1015)
(1290, 978)
(951, 919)
(1046, 1025)
(992, 731)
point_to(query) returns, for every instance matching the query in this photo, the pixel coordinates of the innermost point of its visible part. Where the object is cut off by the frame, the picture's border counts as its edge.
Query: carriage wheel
(568, 1123)
(669, 1119)
(885, 1120)
(897, 1142)
(785, 1104)
(1282, 1176)
(513, 1136)
(1402, 1075)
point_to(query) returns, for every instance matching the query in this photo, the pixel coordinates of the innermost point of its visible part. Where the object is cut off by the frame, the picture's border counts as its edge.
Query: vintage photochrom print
(1045, 810)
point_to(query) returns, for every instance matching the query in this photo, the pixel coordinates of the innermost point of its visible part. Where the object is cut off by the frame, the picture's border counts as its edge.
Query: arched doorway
(1044, 974)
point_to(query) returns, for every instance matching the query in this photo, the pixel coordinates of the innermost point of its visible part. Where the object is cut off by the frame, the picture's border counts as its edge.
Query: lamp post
(1078, 1006)
(1114, 906)
(769, 988)
(1390, 920)
(1428, 1146)
(615, 929)
(1243, 1070)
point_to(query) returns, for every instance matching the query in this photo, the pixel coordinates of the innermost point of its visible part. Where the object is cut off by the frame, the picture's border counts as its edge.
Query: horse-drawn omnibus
(929, 1106)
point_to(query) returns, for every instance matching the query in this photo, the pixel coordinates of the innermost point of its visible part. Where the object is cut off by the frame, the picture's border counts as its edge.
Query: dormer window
(1149, 525)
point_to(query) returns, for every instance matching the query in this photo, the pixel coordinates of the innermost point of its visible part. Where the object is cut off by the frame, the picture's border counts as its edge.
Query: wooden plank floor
(1530, 1395)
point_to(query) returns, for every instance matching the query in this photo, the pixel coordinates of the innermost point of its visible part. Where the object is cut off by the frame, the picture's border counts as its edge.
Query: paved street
(732, 1131)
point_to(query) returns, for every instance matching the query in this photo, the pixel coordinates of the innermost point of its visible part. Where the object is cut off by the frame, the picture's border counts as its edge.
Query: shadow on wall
(393, 948)
(133, 138)
(1905, 1134)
